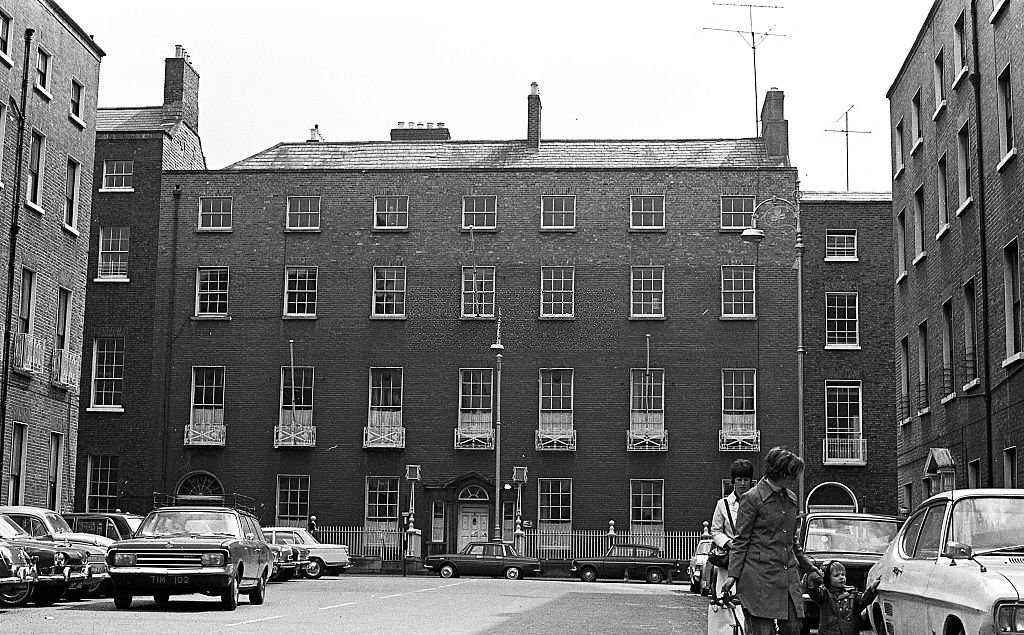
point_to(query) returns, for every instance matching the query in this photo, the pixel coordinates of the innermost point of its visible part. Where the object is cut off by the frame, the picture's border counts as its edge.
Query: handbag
(719, 556)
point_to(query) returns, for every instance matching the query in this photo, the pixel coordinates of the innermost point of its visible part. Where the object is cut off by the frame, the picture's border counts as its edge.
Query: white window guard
(213, 434)
(555, 431)
(28, 353)
(296, 429)
(844, 450)
(474, 431)
(739, 433)
(384, 429)
(64, 368)
(646, 432)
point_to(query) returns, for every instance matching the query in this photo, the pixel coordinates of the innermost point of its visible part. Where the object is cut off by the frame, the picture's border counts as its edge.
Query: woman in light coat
(723, 529)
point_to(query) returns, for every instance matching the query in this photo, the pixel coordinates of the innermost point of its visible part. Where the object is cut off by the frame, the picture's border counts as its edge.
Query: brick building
(326, 314)
(50, 68)
(958, 222)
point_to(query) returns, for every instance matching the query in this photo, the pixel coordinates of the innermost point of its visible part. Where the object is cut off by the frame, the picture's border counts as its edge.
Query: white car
(956, 566)
(323, 558)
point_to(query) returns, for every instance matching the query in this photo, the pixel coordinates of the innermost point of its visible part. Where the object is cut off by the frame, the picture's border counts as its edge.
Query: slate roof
(512, 155)
(146, 119)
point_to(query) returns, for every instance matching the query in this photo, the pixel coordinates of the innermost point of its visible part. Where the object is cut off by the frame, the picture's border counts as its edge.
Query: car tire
(448, 570)
(259, 594)
(655, 576)
(229, 597)
(588, 574)
(161, 599)
(18, 597)
(122, 599)
(315, 568)
(513, 573)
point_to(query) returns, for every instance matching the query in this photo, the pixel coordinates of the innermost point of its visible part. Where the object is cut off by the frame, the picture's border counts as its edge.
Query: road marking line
(262, 619)
(335, 606)
(443, 586)
(384, 597)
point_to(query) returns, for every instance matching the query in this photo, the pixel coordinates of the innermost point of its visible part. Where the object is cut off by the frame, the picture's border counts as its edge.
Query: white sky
(642, 69)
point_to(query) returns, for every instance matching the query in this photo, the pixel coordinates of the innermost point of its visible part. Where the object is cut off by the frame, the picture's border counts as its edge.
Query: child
(839, 605)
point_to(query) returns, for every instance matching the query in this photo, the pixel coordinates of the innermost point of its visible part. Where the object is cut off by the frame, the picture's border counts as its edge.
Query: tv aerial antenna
(846, 133)
(752, 39)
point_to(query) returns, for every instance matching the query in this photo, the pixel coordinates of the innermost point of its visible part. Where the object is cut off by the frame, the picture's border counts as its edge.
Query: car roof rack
(234, 501)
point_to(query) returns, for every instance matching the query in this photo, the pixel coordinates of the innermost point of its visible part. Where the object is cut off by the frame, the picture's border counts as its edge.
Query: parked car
(636, 562)
(113, 525)
(47, 525)
(323, 558)
(217, 551)
(17, 574)
(483, 558)
(857, 540)
(58, 568)
(696, 567)
(288, 560)
(955, 566)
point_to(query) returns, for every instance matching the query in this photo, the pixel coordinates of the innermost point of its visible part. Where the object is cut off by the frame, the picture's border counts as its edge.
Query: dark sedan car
(636, 562)
(483, 558)
(59, 568)
(113, 525)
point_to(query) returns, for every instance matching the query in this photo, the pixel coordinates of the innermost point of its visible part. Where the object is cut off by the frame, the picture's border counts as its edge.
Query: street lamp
(497, 348)
(754, 235)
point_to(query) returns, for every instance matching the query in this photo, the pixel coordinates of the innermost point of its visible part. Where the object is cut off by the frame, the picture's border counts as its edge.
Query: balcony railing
(646, 432)
(384, 429)
(555, 431)
(923, 398)
(739, 433)
(28, 353)
(845, 450)
(64, 368)
(474, 431)
(207, 427)
(902, 408)
(295, 429)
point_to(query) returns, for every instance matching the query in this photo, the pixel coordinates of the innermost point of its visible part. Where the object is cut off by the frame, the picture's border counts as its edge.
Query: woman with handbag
(723, 529)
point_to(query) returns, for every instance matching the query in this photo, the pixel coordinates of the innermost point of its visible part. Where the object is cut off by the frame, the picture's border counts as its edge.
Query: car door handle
(897, 570)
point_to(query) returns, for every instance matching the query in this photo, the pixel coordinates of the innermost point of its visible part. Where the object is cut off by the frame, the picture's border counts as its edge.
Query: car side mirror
(958, 550)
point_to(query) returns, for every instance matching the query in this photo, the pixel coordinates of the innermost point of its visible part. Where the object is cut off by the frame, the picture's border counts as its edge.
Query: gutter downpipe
(12, 254)
(976, 82)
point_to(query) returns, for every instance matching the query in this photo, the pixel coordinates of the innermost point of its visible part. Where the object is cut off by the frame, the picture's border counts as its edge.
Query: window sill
(213, 230)
(842, 259)
(1012, 359)
(211, 318)
(465, 230)
(388, 317)
(302, 230)
(900, 278)
(842, 347)
(391, 230)
(6, 59)
(1010, 155)
(78, 121)
(71, 230)
(974, 383)
(558, 230)
(921, 256)
(924, 411)
(963, 206)
(557, 318)
(959, 77)
(298, 317)
(647, 230)
(904, 421)
(899, 171)
(35, 208)
(114, 409)
(948, 398)
(997, 11)
(42, 91)
(917, 146)
(939, 110)
(643, 318)
(737, 318)
(477, 318)
(106, 190)
(112, 279)
(942, 231)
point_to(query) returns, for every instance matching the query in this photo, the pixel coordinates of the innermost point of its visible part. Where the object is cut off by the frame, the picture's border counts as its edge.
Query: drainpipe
(169, 347)
(12, 254)
(979, 157)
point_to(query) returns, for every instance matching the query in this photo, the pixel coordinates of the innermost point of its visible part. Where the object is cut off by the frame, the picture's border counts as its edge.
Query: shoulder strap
(728, 510)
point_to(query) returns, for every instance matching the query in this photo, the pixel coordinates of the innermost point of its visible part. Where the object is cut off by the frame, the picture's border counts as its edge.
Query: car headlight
(1010, 618)
(125, 559)
(213, 559)
(59, 559)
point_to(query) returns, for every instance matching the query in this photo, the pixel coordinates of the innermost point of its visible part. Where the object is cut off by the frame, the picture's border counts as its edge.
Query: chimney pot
(440, 124)
(401, 124)
(179, 50)
(430, 124)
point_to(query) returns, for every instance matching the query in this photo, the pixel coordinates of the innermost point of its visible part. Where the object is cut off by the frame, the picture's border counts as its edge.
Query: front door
(472, 524)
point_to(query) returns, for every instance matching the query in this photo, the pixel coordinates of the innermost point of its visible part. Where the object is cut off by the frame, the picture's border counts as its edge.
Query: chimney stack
(181, 89)
(533, 117)
(774, 127)
(418, 131)
(314, 134)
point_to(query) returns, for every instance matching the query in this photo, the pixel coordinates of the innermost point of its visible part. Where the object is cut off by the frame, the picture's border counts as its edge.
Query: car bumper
(21, 575)
(143, 579)
(68, 578)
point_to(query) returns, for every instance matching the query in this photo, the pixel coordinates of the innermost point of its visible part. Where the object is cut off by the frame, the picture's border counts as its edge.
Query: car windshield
(11, 529)
(703, 548)
(849, 535)
(186, 523)
(57, 522)
(304, 537)
(988, 523)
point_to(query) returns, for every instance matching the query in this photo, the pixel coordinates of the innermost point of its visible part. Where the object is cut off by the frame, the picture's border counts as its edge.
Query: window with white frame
(963, 164)
(5, 34)
(842, 409)
(647, 292)
(382, 499)
(738, 291)
(19, 454)
(211, 291)
(36, 166)
(737, 212)
(915, 119)
(388, 292)
(1012, 299)
(901, 243)
(43, 62)
(840, 244)
(113, 258)
(71, 193)
(475, 386)
(215, 212)
(391, 212)
(554, 498)
(101, 490)
(739, 394)
(960, 43)
(292, 498)
(556, 394)
(107, 372)
(27, 302)
(480, 212)
(437, 521)
(1005, 119)
(300, 291)
(941, 186)
(477, 291)
(207, 395)
(897, 138)
(842, 327)
(647, 212)
(939, 77)
(646, 503)
(303, 212)
(919, 223)
(557, 291)
(297, 395)
(62, 335)
(75, 107)
(118, 175)
(557, 212)
(647, 390)
(54, 471)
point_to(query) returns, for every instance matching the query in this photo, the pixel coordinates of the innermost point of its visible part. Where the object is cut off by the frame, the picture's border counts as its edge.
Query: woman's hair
(781, 463)
(741, 468)
(827, 572)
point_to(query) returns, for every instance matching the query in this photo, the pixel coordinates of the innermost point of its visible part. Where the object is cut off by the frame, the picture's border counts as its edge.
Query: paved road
(379, 604)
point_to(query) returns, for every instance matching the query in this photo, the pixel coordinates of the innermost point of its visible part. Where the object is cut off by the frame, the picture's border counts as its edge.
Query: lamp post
(754, 235)
(497, 348)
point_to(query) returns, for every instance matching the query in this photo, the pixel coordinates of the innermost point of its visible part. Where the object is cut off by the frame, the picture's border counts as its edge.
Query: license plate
(169, 579)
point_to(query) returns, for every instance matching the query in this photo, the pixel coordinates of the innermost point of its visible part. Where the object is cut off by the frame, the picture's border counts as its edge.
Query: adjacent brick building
(50, 71)
(958, 222)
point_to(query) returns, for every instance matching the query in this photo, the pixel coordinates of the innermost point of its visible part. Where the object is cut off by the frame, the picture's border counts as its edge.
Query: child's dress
(840, 609)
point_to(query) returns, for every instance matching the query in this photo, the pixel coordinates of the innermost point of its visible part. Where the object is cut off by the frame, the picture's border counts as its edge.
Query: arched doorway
(474, 508)
(199, 485)
(832, 497)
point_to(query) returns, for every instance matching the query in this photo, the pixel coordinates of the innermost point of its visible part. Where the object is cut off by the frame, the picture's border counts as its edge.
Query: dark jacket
(766, 556)
(840, 609)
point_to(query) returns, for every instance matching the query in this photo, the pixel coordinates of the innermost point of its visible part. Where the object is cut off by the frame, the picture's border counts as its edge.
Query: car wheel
(161, 599)
(16, 597)
(229, 597)
(315, 568)
(448, 571)
(74, 595)
(259, 594)
(655, 576)
(513, 573)
(588, 574)
(122, 599)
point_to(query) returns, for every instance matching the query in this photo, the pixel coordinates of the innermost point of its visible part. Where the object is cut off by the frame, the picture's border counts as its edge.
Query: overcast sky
(624, 70)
